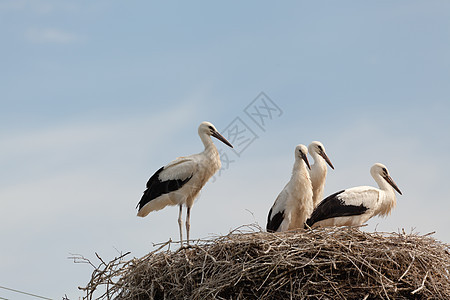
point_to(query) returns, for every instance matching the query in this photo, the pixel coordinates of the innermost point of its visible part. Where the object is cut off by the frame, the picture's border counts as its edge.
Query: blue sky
(96, 96)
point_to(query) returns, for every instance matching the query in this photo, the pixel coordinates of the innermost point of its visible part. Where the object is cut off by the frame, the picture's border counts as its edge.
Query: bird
(180, 181)
(294, 203)
(354, 206)
(319, 170)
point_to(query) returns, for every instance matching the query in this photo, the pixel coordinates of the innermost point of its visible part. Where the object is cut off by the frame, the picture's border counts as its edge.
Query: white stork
(294, 204)
(319, 170)
(180, 181)
(354, 206)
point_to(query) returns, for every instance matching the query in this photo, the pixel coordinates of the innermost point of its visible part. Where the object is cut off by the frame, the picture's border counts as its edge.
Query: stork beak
(221, 138)
(392, 183)
(325, 156)
(305, 158)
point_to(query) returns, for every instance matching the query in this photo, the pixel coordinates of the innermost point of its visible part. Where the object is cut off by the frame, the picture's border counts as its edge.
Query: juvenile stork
(354, 206)
(319, 170)
(294, 204)
(180, 181)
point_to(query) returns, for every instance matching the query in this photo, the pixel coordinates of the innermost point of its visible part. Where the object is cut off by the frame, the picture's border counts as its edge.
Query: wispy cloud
(83, 169)
(36, 6)
(52, 35)
(12, 5)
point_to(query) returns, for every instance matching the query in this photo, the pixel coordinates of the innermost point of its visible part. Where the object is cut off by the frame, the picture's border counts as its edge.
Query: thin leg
(180, 221)
(188, 223)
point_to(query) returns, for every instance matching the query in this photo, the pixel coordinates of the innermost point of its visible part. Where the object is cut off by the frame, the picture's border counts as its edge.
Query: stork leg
(188, 223)
(180, 221)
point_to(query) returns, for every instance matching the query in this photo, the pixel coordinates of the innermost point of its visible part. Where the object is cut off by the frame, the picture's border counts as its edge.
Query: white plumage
(319, 170)
(354, 206)
(294, 204)
(180, 181)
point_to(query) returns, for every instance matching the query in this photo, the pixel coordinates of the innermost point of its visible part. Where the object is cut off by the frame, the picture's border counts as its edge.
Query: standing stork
(354, 206)
(319, 170)
(180, 181)
(294, 204)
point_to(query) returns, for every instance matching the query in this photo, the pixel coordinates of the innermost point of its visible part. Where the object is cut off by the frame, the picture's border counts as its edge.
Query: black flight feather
(274, 223)
(156, 187)
(332, 207)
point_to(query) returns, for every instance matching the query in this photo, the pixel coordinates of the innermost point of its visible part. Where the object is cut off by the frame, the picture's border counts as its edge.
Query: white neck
(299, 166)
(383, 184)
(315, 155)
(387, 196)
(301, 189)
(300, 176)
(210, 149)
(318, 174)
(206, 140)
(319, 162)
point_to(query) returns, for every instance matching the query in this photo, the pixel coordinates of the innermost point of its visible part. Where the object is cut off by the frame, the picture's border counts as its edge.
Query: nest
(328, 263)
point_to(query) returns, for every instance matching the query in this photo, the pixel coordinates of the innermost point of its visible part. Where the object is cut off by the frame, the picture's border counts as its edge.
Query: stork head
(380, 170)
(206, 128)
(317, 147)
(301, 153)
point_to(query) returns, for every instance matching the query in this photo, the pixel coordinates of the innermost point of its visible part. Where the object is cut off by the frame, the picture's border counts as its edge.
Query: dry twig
(329, 263)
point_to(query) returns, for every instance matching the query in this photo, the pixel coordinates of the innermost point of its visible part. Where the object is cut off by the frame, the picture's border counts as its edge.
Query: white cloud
(12, 5)
(39, 7)
(83, 203)
(52, 35)
(65, 188)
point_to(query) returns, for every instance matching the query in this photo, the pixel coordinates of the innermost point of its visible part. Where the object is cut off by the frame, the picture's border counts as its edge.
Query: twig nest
(329, 263)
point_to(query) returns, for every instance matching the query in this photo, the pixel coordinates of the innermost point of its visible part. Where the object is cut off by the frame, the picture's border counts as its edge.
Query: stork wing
(179, 169)
(351, 202)
(361, 195)
(276, 213)
(168, 179)
(274, 221)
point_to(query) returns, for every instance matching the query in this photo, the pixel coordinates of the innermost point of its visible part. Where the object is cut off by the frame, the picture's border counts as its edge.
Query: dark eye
(210, 127)
(320, 148)
(385, 171)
